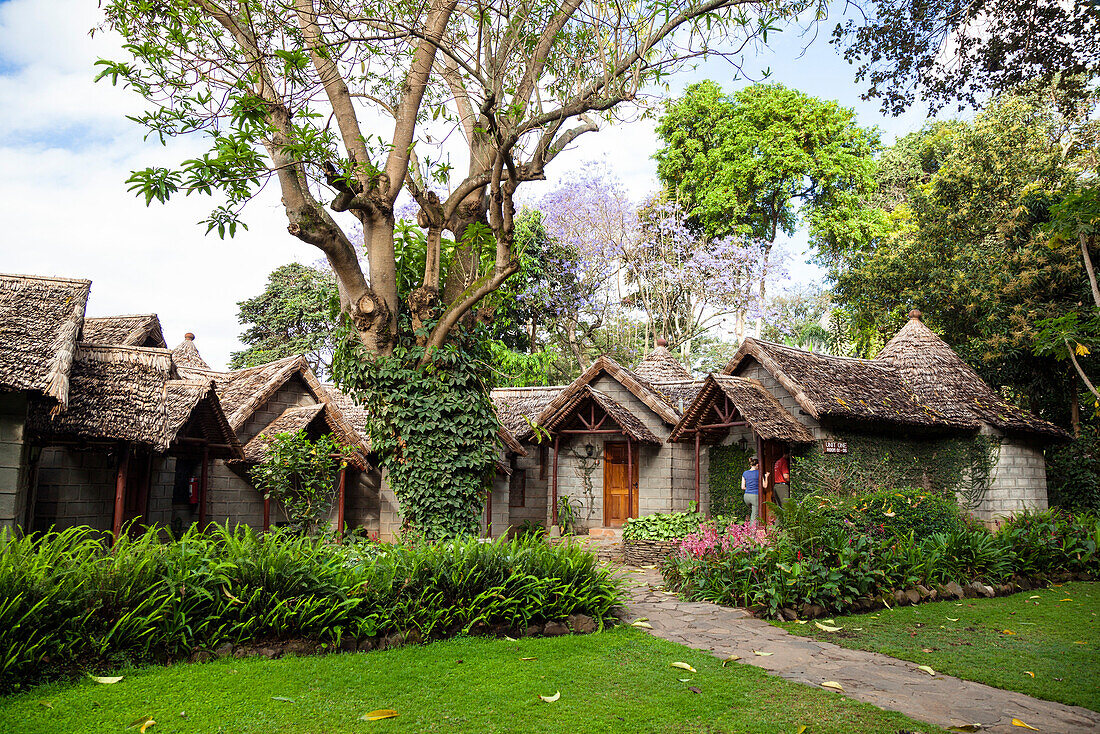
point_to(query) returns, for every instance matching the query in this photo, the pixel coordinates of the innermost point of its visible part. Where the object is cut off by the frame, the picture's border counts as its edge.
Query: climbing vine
(432, 426)
(586, 467)
(727, 464)
(956, 467)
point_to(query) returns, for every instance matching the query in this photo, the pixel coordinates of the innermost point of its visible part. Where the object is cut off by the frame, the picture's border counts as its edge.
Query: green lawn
(617, 681)
(1052, 633)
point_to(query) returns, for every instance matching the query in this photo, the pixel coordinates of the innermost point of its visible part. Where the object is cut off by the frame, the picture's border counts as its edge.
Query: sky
(68, 149)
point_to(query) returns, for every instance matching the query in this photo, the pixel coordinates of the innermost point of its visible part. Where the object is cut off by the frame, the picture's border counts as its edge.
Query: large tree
(943, 51)
(335, 101)
(761, 161)
(967, 204)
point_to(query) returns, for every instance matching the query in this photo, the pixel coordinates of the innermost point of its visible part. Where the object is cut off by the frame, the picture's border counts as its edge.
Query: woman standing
(750, 485)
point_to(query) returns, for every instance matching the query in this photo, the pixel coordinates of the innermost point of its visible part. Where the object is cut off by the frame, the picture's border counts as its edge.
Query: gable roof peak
(661, 366)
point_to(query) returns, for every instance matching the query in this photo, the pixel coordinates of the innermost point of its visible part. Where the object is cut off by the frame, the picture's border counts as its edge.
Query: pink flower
(737, 537)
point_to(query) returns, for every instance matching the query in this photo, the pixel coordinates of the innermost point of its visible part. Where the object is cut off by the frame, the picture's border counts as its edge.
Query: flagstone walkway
(866, 676)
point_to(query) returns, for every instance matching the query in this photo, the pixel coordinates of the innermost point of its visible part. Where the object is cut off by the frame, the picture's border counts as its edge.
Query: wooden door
(136, 499)
(620, 500)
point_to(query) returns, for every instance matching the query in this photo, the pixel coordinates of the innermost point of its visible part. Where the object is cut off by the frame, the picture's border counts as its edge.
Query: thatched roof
(198, 400)
(245, 391)
(660, 366)
(579, 398)
(186, 354)
(300, 418)
(641, 389)
(116, 393)
(843, 388)
(40, 321)
(517, 405)
(940, 378)
(141, 330)
(354, 413)
(679, 395)
(758, 407)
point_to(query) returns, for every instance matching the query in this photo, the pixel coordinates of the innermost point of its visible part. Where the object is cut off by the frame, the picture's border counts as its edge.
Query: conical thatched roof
(186, 354)
(40, 321)
(755, 404)
(660, 366)
(142, 330)
(940, 378)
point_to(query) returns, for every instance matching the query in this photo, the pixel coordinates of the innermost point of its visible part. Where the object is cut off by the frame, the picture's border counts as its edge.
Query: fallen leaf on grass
(1033, 596)
(643, 625)
(142, 724)
(528, 658)
(1078, 642)
(730, 659)
(1017, 722)
(1008, 632)
(642, 619)
(1065, 599)
(954, 619)
(762, 654)
(683, 666)
(857, 629)
(282, 698)
(693, 689)
(801, 729)
(45, 704)
(832, 684)
(684, 680)
(551, 699)
(926, 669)
(378, 715)
(510, 639)
(927, 649)
(800, 621)
(106, 680)
(827, 628)
(1028, 672)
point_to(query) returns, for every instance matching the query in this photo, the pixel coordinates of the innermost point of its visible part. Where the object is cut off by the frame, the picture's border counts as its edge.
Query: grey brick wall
(75, 487)
(1018, 482)
(13, 456)
(754, 371)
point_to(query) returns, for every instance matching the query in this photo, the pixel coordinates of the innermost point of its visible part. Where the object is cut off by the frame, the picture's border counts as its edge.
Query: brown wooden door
(620, 500)
(136, 499)
(770, 451)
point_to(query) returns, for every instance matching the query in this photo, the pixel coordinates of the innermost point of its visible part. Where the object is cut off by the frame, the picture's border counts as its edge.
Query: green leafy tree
(968, 206)
(953, 51)
(300, 474)
(296, 314)
(761, 161)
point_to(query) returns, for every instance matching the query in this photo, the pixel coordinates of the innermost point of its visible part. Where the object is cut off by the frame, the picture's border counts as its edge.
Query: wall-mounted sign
(835, 447)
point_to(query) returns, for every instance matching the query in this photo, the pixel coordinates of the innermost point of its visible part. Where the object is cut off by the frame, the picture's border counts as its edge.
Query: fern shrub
(69, 603)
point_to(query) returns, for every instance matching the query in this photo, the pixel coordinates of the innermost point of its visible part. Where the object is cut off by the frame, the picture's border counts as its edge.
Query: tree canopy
(295, 314)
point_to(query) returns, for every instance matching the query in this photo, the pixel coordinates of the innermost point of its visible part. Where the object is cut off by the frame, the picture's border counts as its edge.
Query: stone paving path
(866, 676)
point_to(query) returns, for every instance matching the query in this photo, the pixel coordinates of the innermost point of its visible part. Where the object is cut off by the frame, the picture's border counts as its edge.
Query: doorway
(620, 498)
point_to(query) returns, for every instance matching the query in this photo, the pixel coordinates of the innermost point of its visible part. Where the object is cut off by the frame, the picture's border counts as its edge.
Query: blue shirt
(752, 481)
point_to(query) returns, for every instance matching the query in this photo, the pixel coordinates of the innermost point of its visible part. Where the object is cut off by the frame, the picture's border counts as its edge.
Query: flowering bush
(737, 536)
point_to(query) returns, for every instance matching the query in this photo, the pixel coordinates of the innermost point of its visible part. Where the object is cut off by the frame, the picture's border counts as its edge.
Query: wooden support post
(629, 477)
(698, 439)
(202, 487)
(120, 492)
(340, 506)
(489, 512)
(554, 510)
(267, 514)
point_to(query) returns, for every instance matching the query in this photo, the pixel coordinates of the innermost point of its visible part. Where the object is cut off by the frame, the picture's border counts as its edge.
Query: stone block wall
(755, 371)
(1018, 482)
(13, 456)
(75, 487)
(535, 507)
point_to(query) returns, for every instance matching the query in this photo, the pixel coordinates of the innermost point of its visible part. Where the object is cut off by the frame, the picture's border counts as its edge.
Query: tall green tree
(967, 204)
(765, 159)
(295, 314)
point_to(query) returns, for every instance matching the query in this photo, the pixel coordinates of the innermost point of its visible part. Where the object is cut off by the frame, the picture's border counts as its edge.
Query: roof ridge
(122, 316)
(50, 278)
(859, 360)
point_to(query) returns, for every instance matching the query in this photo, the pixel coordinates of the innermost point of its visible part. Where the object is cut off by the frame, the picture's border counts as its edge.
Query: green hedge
(890, 512)
(69, 603)
(834, 567)
(727, 464)
(1073, 473)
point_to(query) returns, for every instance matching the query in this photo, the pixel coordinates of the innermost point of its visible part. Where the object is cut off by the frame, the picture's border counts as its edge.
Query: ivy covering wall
(727, 464)
(945, 466)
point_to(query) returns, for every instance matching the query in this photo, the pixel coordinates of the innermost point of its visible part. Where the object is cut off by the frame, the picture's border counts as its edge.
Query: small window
(517, 488)
(544, 460)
